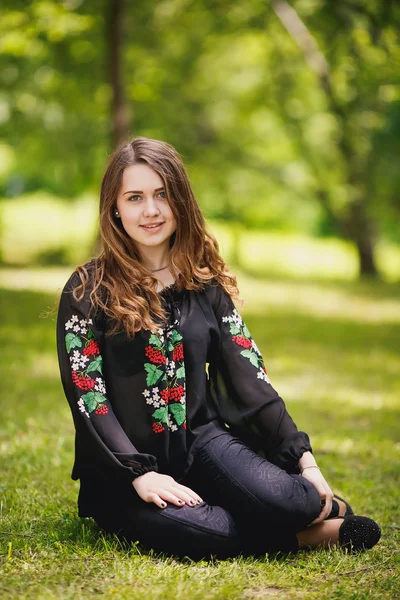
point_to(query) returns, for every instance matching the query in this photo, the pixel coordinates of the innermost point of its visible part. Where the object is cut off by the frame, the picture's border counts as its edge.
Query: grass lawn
(332, 351)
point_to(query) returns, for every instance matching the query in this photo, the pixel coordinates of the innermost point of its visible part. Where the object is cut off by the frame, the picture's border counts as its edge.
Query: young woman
(181, 441)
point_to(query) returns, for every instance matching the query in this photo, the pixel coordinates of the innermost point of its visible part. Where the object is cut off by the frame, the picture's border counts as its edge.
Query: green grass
(331, 349)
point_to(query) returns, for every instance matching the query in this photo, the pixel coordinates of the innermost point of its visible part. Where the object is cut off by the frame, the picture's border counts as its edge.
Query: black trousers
(250, 507)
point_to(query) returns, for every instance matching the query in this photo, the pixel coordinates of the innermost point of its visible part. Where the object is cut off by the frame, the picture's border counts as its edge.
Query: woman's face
(142, 202)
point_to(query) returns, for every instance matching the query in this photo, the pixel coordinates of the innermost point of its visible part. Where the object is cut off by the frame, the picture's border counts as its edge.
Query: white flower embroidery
(233, 318)
(255, 347)
(262, 375)
(82, 407)
(100, 386)
(146, 393)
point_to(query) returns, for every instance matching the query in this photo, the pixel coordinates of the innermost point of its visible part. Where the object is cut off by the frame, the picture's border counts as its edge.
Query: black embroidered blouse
(147, 404)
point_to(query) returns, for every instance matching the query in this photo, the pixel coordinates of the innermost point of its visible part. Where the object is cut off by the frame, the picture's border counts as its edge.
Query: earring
(116, 213)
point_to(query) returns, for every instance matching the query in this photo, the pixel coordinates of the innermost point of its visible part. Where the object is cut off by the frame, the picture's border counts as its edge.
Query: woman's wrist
(307, 460)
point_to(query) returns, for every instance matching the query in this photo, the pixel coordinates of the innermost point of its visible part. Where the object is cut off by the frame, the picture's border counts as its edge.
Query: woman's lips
(152, 228)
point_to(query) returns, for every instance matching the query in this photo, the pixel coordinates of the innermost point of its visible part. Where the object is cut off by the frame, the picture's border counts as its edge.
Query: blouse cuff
(144, 463)
(291, 450)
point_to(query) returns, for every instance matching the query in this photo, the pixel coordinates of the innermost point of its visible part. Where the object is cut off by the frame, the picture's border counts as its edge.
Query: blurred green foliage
(277, 133)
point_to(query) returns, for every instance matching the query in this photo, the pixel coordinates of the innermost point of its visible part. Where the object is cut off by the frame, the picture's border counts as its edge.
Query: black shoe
(334, 514)
(358, 533)
(335, 508)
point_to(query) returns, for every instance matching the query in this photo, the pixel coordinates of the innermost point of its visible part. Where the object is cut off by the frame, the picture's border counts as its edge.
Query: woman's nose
(150, 208)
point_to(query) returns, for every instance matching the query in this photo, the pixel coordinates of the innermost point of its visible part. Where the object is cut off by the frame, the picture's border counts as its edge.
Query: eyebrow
(141, 191)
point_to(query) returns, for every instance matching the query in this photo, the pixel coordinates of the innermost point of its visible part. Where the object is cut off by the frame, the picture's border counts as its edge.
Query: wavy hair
(119, 282)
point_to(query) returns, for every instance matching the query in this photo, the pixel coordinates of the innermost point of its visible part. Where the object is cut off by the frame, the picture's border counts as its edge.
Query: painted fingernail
(163, 504)
(192, 502)
(180, 501)
(199, 501)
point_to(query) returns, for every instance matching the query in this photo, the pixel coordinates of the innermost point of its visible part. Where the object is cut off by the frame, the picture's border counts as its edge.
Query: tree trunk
(366, 256)
(361, 230)
(114, 34)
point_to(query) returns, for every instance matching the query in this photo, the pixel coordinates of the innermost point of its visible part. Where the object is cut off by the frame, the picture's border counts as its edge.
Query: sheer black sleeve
(97, 428)
(243, 390)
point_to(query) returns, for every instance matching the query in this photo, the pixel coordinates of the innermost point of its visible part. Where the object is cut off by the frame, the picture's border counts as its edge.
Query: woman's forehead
(141, 177)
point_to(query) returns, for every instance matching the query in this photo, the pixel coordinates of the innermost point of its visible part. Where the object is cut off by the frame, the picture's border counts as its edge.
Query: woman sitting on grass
(181, 441)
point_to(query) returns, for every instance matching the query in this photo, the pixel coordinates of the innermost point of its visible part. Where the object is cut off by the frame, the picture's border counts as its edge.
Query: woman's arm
(243, 392)
(80, 362)
(239, 380)
(310, 470)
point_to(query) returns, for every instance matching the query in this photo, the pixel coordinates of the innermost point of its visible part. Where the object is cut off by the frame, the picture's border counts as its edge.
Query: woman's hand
(160, 489)
(315, 476)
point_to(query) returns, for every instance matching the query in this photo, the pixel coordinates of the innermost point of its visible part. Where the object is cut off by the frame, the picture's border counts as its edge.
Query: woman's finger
(326, 496)
(155, 498)
(323, 499)
(186, 490)
(170, 496)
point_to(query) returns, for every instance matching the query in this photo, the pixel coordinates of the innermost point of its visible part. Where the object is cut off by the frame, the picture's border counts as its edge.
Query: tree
(359, 36)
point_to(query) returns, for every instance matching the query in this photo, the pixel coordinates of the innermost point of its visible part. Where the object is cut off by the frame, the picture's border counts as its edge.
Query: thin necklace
(162, 268)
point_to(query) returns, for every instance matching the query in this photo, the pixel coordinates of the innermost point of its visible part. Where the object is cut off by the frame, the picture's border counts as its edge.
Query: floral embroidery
(166, 380)
(84, 356)
(241, 336)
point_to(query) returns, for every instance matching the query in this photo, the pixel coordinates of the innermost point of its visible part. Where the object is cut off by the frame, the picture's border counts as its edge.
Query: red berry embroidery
(91, 349)
(157, 428)
(178, 352)
(176, 393)
(155, 356)
(165, 395)
(84, 383)
(242, 341)
(102, 410)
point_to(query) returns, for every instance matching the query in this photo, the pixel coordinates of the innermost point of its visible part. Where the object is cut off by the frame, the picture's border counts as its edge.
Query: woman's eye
(134, 197)
(162, 194)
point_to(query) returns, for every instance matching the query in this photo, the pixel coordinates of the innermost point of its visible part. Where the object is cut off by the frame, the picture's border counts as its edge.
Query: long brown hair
(120, 283)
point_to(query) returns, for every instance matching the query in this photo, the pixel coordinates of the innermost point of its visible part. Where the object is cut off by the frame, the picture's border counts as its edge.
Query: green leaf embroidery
(252, 356)
(178, 410)
(180, 373)
(234, 329)
(93, 400)
(246, 331)
(100, 398)
(175, 336)
(154, 340)
(161, 414)
(72, 341)
(90, 401)
(95, 365)
(153, 374)
(170, 346)
(90, 334)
